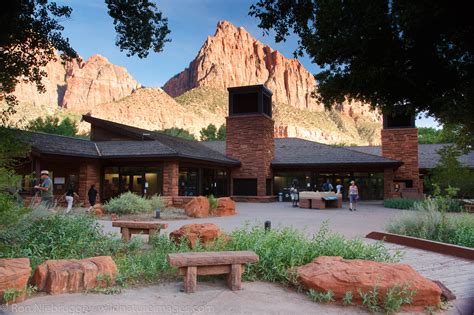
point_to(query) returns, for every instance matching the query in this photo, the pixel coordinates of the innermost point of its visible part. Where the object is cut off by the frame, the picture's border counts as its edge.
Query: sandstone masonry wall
(250, 140)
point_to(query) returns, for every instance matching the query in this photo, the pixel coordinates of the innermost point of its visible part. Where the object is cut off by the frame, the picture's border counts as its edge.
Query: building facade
(251, 165)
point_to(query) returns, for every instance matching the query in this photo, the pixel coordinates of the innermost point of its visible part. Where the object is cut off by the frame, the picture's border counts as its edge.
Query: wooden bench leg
(234, 280)
(190, 280)
(125, 234)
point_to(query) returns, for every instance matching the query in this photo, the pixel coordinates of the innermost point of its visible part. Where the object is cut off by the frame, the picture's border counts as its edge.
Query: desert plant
(128, 203)
(396, 297)
(212, 203)
(10, 295)
(321, 297)
(399, 203)
(347, 298)
(59, 237)
(370, 299)
(156, 202)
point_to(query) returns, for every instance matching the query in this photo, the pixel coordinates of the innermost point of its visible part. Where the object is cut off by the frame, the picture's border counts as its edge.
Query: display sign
(59, 180)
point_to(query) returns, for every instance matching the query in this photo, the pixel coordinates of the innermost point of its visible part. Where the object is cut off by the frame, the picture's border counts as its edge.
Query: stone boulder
(98, 210)
(342, 275)
(73, 275)
(225, 207)
(14, 274)
(206, 233)
(198, 207)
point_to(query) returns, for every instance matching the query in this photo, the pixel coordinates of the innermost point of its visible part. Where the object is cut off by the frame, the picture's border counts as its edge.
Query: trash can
(280, 196)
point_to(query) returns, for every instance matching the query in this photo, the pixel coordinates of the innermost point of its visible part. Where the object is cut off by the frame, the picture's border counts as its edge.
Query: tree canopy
(31, 34)
(416, 54)
(178, 132)
(53, 125)
(428, 135)
(211, 133)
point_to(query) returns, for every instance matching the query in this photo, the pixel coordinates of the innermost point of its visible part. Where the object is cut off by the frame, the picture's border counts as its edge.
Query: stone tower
(400, 142)
(249, 139)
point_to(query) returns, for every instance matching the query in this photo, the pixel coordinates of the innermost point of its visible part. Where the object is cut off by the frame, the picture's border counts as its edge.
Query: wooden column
(234, 281)
(190, 281)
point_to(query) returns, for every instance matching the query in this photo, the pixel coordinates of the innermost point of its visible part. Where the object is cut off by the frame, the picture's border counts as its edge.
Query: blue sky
(90, 31)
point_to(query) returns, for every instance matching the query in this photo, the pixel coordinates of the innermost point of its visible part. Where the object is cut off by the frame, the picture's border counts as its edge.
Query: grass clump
(399, 203)
(212, 204)
(321, 297)
(347, 298)
(389, 302)
(58, 237)
(128, 203)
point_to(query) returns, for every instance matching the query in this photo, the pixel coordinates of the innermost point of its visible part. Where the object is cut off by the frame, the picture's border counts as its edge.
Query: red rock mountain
(197, 96)
(233, 57)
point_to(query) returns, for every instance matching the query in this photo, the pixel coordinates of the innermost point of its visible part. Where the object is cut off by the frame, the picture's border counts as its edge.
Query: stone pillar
(89, 174)
(401, 144)
(171, 178)
(250, 140)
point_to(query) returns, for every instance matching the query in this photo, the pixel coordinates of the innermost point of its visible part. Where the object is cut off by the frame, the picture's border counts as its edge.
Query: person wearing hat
(46, 189)
(353, 196)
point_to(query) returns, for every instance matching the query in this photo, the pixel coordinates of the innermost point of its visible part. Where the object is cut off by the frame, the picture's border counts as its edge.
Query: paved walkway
(259, 297)
(371, 216)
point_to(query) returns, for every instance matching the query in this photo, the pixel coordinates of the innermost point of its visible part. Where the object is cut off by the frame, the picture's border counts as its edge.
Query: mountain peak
(233, 57)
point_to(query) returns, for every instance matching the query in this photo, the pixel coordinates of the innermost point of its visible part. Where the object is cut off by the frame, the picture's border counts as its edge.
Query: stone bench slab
(212, 258)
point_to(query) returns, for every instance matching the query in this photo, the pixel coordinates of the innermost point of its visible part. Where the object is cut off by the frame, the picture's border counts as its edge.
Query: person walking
(45, 189)
(353, 196)
(69, 196)
(92, 194)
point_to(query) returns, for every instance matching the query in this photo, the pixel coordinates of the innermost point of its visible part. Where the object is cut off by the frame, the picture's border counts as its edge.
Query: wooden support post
(190, 281)
(125, 234)
(234, 277)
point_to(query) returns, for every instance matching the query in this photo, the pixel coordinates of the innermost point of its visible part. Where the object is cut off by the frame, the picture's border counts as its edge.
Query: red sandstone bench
(196, 264)
(316, 200)
(127, 228)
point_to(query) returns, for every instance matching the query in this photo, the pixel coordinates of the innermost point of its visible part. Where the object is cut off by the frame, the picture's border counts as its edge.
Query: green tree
(415, 54)
(31, 33)
(428, 135)
(53, 125)
(178, 132)
(450, 172)
(209, 133)
(221, 133)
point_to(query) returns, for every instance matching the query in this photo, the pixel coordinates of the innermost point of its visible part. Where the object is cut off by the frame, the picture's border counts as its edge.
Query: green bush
(399, 203)
(428, 222)
(212, 203)
(59, 237)
(156, 202)
(11, 210)
(128, 203)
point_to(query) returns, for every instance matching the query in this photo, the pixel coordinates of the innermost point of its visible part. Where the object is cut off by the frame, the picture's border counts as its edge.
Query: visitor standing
(92, 194)
(338, 188)
(45, 189)
(69, 196)
(353, 196)
(327, 186)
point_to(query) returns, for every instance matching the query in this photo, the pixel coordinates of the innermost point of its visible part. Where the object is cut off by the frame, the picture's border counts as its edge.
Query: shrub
(156, 202)
(128, 203)
(11, 210)
(59, 237)
(399, 203)
(428, 222)
(390, 302)
(281, 249)
(212, 203)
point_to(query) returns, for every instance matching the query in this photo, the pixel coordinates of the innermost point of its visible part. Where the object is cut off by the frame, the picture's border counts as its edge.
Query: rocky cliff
(233, 57)
(79, 85)
(96, 81)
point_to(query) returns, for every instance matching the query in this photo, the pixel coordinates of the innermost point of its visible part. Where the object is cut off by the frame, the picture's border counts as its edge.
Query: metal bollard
(268, 226)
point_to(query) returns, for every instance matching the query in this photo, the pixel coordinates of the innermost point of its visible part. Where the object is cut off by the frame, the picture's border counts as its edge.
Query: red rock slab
(225, 207)
(73, 275)
(342, 275)
(14, 274)
(198, 207)
(207, 233)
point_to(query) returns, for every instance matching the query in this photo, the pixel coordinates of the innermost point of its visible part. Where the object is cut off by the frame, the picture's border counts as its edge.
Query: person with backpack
(327, 186)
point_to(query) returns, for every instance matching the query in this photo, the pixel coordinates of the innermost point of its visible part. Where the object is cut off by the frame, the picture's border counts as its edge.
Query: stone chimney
(400, 142)
(249, 139)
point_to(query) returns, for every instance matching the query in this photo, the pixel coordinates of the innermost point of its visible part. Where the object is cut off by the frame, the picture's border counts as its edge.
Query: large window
(144, 181)
(188, 181)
